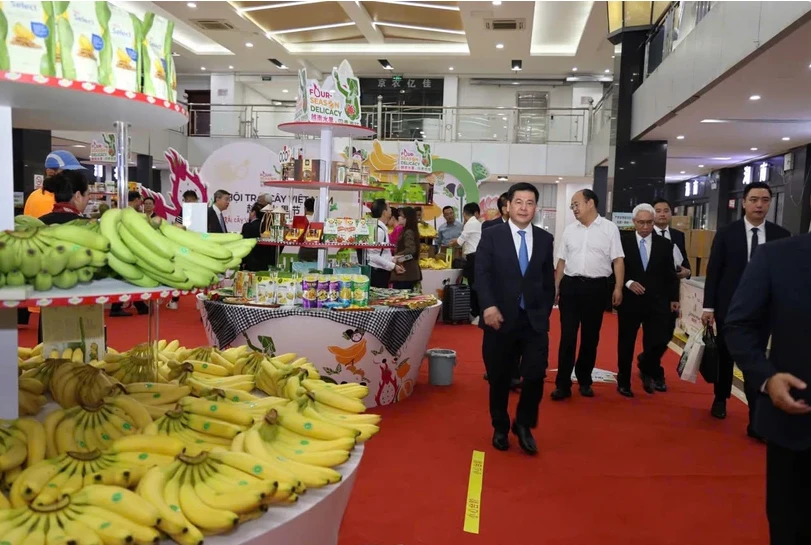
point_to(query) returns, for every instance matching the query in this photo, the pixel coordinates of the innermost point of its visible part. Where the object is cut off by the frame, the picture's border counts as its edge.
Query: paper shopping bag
(691, 358)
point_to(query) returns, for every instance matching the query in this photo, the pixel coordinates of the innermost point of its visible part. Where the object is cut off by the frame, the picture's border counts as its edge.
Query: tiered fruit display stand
(39, 102)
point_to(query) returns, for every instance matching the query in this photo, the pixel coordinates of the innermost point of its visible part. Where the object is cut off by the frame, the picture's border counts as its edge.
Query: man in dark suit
(261, 258)
(516, 287)
(732, 249)
(773, 299)
(661, 221)
(650, 295)
(504, 211)
(216, 221)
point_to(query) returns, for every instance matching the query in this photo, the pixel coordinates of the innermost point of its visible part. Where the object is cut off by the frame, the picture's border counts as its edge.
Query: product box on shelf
(156, 49)
(331, 230)
(308, 170)
(29, 38)
(314, 230)
(362, 232)
(346, 230)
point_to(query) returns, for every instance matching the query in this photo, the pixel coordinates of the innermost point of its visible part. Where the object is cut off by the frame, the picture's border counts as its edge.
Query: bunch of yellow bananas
(22, 444)
(73, 383)
(157, 397)
(30, 398)
(273, 373)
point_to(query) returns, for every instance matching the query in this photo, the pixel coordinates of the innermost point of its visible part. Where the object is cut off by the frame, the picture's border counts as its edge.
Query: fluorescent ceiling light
(721, 158)
(415, 27)
(279, 64)
(423, 49)
(79, 145)
(682, 172)
(202, 68)
(549, 37)
(276, 6)
(574, 69)
(285, 91)
(248, 44)
(496, 2)
(700, 166)
(714, 121)
(786, 139)
(450, 68)
(192, 5)
(607, 71)
(309, 28)
(230, 67)
(754, 97)
(420, 5)
(680, 137)
(752, 149)
(499, 46)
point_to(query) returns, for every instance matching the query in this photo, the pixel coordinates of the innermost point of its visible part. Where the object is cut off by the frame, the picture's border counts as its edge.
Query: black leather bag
(709, 361)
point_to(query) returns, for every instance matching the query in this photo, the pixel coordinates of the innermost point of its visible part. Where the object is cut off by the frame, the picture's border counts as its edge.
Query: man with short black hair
(468, 240)
(381, 260)
(450, 231)
(590, 251)
(733, 247)
(216, 221)
(188, 196)
(309, 255)
(661, 226)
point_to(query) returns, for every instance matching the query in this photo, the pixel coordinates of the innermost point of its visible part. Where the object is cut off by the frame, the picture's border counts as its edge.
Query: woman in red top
(396, 224)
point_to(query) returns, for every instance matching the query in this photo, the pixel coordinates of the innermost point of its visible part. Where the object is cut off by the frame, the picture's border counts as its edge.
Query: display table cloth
(382, 349)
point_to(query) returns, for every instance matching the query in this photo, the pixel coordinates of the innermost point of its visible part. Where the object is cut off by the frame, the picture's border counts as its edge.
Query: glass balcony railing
(460, 124)
(678, 21)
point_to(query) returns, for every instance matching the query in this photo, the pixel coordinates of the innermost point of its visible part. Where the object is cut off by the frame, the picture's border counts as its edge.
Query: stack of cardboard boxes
(698, 243)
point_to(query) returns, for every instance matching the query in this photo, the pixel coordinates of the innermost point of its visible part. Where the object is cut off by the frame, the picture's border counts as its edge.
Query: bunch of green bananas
(52, 256)
(149, 253)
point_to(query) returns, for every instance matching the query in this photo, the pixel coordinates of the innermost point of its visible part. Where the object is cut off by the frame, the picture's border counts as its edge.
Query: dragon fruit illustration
(387, 389)
(179, 173)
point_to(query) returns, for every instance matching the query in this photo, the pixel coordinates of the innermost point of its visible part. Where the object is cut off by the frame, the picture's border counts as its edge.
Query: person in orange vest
(41, 201)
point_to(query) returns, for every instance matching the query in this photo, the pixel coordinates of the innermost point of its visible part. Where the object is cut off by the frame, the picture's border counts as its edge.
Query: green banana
(127, 271)
(2, 280)
(99, 259)
(43, 281)
(177, 274)
(139, 226)
(242, 248)
(66, 279)
(15, 278)
(85, 274)
(193, 241)
(200, 277)
(79, 257)
(144, 254)
(79, 235)
(31, 263)
(221, 238)
(56, 260)
(169, 281)
(6, 256)
(198, 260)
(109, 228)
(144, 282)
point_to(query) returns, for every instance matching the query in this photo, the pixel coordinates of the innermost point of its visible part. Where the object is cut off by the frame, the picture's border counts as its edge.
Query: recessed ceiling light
(681, 172)
(633, 162)
(496, 2)
(559, 178)
(754, 97)
(385, 64)
(752, 149)
(334, 68)
(557, 181)
(613, 56)
(574, 69)
(607, 70)
(175, 54)
(515, 83)
(786, 138)
(680, 137)
(499, 46)
(248, 44)
(284, 90)
(450, 68)
(202, 68)
(230, 67)
(78, 145)
(504, 119)
(191, 5)
(503, 178)
(495, 136)
(700, 166)
(714, 121)
(505, 126)
(721, 158)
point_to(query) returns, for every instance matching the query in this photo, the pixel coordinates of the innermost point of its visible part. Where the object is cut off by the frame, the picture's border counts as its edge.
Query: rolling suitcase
(456, 304)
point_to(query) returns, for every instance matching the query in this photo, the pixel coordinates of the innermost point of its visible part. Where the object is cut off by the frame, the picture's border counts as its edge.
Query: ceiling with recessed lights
(417, 37)
(760, 109)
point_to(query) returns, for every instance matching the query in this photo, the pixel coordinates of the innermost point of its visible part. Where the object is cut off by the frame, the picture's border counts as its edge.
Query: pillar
(143, 172)
(600, 187)
(30, 150)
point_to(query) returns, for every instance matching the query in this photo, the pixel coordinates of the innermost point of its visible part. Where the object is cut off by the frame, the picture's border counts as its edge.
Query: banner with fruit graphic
(342, 354)
(337, 100)
(415, 157)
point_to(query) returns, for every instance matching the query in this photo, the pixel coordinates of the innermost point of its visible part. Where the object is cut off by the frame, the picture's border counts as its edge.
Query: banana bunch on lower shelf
(58, 256)
(274, 372)
(86, 428)
(186, 373)
(210, 493)
(44, 483)
(30, 398)
(22, 444)
(136, 365)
(202, 424)
(152, 253)
(157, 397)
(93, 515)
(73, 383)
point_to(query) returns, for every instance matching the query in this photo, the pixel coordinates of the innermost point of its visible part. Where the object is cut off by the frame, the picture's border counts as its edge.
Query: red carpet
(653, 470)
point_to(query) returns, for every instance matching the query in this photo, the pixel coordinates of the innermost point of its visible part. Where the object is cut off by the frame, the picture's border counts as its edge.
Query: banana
(139, 227)
(194, 242)
(132, 408)
(43, 281)
(310, 476)
(152, 488)
(79, 236)
(31, 263)
(309, 427)
(162, 445)
(334, 399)
(198, 512)
(56, 260)
(35, 439)
(222, 411)
(15, 278)
(64, 280)
(79, 257)
(127, 271)
(7, 253)
(143, 253)
(120, 501)
(85, 274)
(109, 228)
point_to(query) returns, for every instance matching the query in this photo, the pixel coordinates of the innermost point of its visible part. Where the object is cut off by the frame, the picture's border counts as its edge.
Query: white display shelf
(309, 128)
(98, 292)
(332, 186)
(41, 102)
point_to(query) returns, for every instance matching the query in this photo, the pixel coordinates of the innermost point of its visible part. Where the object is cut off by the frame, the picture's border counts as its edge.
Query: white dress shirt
(470, 236)
(590, 251)
(678, 257)
(648, 247)
(761, 236)
(517, 239)
(381, 258)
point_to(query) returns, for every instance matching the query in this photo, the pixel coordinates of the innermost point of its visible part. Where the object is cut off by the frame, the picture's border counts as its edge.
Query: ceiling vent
(213, 24)
(504, 24)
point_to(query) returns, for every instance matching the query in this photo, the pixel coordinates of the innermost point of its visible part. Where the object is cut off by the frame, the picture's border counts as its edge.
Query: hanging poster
(337, 100)
(415, 157)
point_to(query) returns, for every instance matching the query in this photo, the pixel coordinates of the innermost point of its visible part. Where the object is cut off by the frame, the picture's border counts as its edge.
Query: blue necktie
(643, 253)
(523, 258)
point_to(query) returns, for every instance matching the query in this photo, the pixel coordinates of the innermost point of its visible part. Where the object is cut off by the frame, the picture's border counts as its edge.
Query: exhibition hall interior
(391, 272)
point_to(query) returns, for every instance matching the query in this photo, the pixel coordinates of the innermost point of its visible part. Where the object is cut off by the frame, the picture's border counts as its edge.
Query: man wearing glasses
(591, 247)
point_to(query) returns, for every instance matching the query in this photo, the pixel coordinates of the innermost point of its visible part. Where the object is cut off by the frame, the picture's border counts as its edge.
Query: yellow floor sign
(474, 493)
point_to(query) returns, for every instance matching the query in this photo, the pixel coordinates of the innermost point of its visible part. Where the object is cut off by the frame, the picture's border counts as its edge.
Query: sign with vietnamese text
(337, 100)
(104, 151)
(415, 157)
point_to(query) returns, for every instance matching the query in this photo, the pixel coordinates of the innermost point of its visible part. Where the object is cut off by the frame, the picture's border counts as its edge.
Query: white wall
(564, 214)
(195, 83)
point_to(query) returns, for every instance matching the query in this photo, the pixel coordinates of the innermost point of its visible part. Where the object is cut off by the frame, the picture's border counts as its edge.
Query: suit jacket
(261, 257)
(773, 298)
(213, 221)
(728, 259)
(492, 223)
(677, 238)
(499, 282)
(660, 280)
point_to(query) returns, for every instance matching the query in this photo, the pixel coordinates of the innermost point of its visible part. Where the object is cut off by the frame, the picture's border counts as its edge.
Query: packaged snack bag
(334, 289)
(156, 52)
(309, 290)
(345, 294)
(28, 32)
(285, 292)
(120, 64)
(80, 39)
(360, 290)
(323, 290)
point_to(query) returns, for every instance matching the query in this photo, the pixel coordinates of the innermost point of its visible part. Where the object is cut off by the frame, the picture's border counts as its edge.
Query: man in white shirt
(381, 260)
(590, 249)
(469, 240)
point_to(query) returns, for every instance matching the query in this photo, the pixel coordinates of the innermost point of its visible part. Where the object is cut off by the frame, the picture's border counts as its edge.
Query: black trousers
(656, 321)
(379, 278)
(788, 503)
(469, 272)
(581, 305)
(726, 366)
(499, 352)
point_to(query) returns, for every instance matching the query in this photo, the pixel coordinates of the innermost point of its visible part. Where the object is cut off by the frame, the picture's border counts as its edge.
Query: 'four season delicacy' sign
(336, 101)
(415, 157)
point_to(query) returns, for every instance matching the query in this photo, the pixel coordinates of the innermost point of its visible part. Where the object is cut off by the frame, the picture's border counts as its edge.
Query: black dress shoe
(586, 391)
(750, 431)
(485, 377)
(525, 439)
(659, 385)
(501, 440)
(647, 384)
(559, 394)
(625, 391)
(719, 409)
